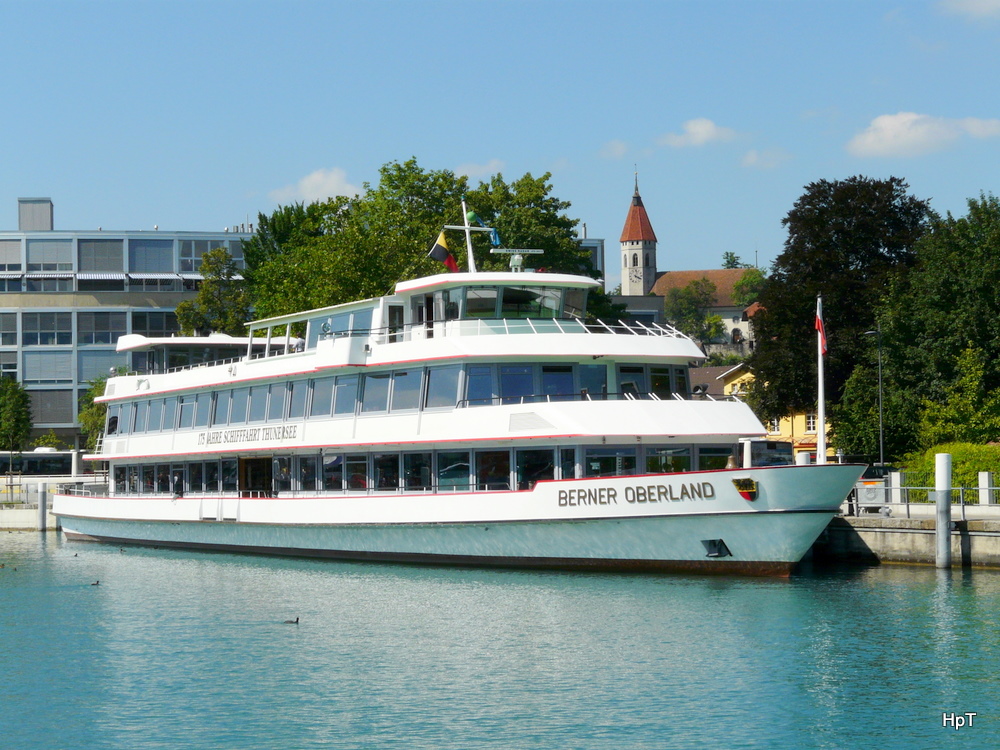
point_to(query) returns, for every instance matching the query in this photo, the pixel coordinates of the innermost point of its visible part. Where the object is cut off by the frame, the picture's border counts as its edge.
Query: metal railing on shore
(917, 501)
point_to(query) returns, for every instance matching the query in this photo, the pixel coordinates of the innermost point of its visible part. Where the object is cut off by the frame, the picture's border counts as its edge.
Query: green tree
(221, 304)
(354, 248)
(846, 240)
(15, 416)
(687, 309)
(49, 440)
(968, 414)
(747, 290)
(732, 260)
(92, 416)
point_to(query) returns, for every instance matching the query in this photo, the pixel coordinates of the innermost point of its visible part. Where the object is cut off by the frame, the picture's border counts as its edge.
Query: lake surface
(190, 650)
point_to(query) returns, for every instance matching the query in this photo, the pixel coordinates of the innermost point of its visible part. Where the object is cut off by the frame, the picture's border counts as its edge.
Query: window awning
(8, 275)
(97, 276)
(50, 275)
(144, 276)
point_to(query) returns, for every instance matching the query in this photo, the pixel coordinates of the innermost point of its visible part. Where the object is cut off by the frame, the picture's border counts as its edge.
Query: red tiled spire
(637, 226)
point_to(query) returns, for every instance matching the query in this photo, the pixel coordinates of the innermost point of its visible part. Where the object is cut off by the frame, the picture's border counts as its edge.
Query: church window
(647, 259)
(635, 259)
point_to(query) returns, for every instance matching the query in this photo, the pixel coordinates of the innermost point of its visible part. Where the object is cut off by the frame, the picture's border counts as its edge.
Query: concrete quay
(975, 543)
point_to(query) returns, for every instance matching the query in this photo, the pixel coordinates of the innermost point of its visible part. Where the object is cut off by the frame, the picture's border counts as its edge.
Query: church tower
(638, 243)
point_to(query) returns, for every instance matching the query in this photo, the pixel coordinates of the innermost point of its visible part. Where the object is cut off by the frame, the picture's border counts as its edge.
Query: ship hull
(697, 522)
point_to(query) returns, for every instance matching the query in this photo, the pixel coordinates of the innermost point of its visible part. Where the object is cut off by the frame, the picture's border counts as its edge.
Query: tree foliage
(968, 414)
(221, 304)
(353, 248)
(92, 415)
(747, 290)
(15, 416)
(687, 309)
(846, 240)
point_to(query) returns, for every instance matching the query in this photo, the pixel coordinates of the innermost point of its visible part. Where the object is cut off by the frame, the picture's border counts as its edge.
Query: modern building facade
(66, 297)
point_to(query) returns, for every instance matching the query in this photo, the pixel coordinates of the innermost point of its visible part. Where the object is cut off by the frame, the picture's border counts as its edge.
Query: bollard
(942, 487)
(42, 493)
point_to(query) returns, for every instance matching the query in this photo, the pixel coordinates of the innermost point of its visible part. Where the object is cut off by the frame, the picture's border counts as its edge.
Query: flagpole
(820, 390)
(468, 236)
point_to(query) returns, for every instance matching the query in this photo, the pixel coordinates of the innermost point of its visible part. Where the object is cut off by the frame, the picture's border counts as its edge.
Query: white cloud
(614, 149)
(767, 159)
(318, 186)
(478, 171)
(697, 132)
(973, 8)
(910, 134)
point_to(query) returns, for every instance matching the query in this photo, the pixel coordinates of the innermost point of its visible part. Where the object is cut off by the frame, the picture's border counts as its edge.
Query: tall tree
(687, 309)
(221, 304)
(15, 416)
(846, 240)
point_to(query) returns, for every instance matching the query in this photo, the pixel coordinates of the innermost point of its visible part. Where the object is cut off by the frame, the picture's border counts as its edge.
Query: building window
(8, 365)
(155, 324)
(10, 255)
(48, 367)
(153, 285)
(48, 285)
(50, 255)
(100, 255)
(151, 256)
(52, 407)
(10, 285)
(774, 426)
(8, 329)
(100, 285)
(192, 252)
(100, 327)
(810, 423)
(46, 328)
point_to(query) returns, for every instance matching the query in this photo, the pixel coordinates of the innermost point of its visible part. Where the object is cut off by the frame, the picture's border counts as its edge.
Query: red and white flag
(819, 324)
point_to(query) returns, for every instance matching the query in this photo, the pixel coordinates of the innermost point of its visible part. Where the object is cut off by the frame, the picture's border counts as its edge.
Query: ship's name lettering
(646, 493)
(248, 435)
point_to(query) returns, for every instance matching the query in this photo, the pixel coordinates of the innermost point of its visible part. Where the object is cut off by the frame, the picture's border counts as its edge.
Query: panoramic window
(406, 389)
(442, 386)
(481, 302)
(376, 392)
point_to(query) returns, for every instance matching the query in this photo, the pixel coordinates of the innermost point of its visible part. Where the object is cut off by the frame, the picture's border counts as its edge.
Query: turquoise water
(189, 650)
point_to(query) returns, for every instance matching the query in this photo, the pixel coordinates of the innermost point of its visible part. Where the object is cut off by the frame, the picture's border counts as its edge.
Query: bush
(967, 460)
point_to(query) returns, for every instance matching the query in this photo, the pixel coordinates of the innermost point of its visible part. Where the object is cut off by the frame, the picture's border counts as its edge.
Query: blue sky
(198, 115)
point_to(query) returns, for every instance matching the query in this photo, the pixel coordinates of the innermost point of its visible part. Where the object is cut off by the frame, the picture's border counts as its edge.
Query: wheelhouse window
(481, 302)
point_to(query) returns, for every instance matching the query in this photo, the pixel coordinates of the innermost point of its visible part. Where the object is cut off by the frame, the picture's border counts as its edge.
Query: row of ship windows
(418, 471)
(391, 391)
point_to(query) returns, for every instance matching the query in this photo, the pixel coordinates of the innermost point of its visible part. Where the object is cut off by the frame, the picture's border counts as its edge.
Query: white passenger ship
(468, 418)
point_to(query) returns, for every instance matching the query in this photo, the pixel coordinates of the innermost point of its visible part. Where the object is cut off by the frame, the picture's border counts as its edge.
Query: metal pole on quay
(942, 491)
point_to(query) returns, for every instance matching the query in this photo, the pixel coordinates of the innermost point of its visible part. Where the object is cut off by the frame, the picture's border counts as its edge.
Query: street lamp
(881, 431)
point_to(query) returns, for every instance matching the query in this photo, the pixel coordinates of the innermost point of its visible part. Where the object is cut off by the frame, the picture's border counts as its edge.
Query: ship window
(148, 479)
(238, 406)
(282, 474)
(306, 473)
(386, 466)
(479, 385)
(119, 480)
(187, 412)
(714, 457)
(125, 419)
(533, 466)
(211, 476)
(659, 380)
(162, 478)
(258, 403)
(417, 471)
(195, 477)
(453, 470)
(297, 401)
(333, 473)
(663, 459)
(112, 428)
(357, 471)
(567, 463)
(230, 475)
(493, 470)
(481, 302)
(376, 392)
(535, 302)
(322, 397)
(406, 389)
(203, 408)
(593, 381)
(681, 381)
(442, 387)
(632, 381)
(346, 397)
(155, 415)
(609, 462)
(276, 406)
(575, 303)
(516, 383)
(221, 415)
(557, 382)
(169, 410)
(141, 408)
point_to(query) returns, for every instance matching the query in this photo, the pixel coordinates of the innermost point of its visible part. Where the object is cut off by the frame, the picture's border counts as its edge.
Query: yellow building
(798, 429)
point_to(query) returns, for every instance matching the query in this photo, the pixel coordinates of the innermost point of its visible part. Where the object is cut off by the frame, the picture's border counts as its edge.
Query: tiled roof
(637, 226)
(723, 278)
